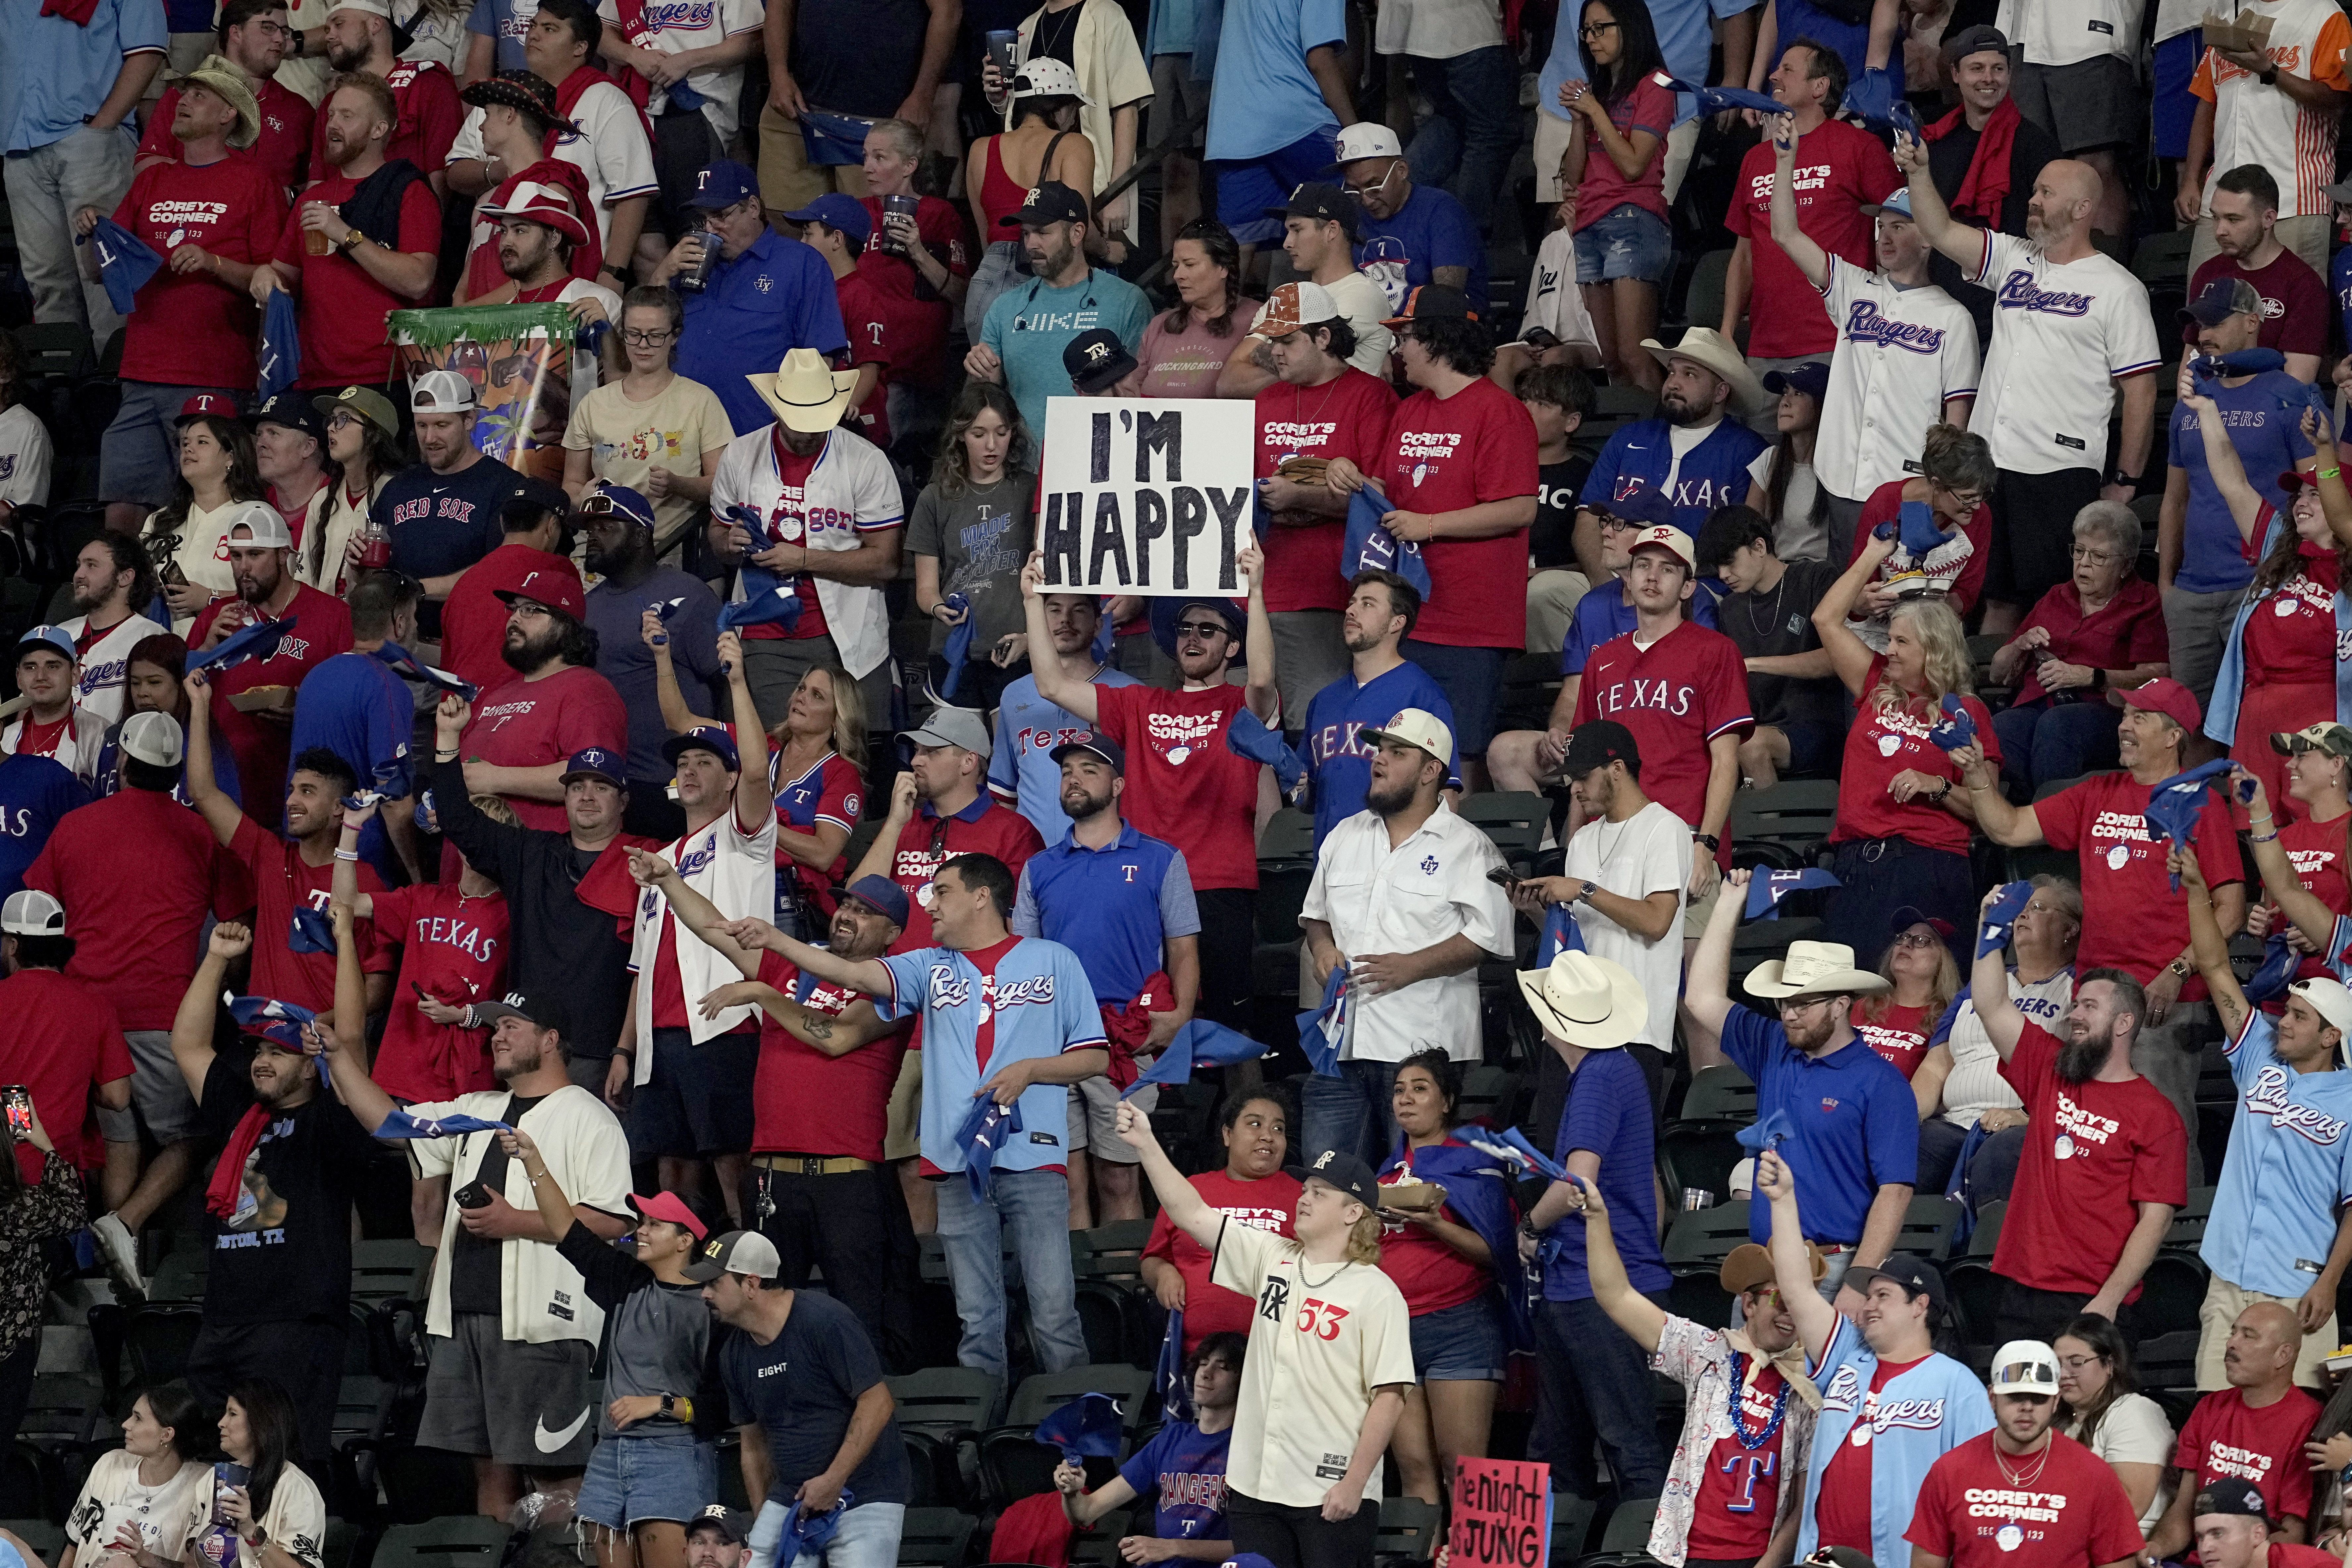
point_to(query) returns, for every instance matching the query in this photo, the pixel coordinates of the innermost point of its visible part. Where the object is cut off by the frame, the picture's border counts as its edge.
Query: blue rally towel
(987, 1128)
(1199, 1044)
(1371, 547)
(1773, 1130)
(811, 1533)
(1920, 534)
(833, 139)
(273, 1019)
(1957, 729)
(2277, 969)
(767, 598)
(958, 646)
(281, 346)
(2206, 369)
(2002, 916)
(1716, 99)
(1767, 888)
(1088, 1425)
(1511, 1144)
(258, 640)
(1105, 632)
(1560, 934)
(414, 668)
(1247, 736)
(1321, 1028)
(400, 1124)
(125, 262)
(1477, 1184)
(1872, 100)
(311, 931)
(2173, 804)
(1168, 1376)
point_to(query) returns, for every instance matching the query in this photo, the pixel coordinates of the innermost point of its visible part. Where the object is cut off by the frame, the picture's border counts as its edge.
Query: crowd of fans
(707, 899)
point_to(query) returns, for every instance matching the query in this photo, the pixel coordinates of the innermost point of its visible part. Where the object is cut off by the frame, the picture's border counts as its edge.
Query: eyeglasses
(1202, 629)
(1963, 501)
(2077, 1362)
(1594, 29)
(636, 339)
(341, 421)
(2094, 557)
(1614, 524)
(1917, 939)
(1380, 183)
(1788, 1005)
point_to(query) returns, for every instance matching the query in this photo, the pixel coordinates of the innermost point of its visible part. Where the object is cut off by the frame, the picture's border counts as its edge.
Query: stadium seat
(449, 1541)
(953, 1401)
(1571, 1525)
(935, 1538)
(1784, 825)
(387, 1270)
(1928, 1228)
(1289, 836)
(158, 1337)
(1513, 819)
(1721, 1093)
(1014, 1464)
(45, 1540)
(1408, 1528)
(1625, 1540)
(1097, 1543)
(1698, 1157)
(1700, 1240)
(1703, 301)
(1488, 1091)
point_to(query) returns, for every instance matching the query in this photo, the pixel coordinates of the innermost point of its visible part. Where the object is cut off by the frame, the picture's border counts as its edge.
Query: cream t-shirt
(624, 440)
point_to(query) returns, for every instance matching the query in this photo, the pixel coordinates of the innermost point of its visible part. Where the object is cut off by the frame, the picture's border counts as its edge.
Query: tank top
(999, 197)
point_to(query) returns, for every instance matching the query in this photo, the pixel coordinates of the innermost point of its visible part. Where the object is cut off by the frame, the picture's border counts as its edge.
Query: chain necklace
(1299, 398)
(2019, 1478)
(1760, 626)
(1739, 1418)
(1041, 44)
(1318, 1284)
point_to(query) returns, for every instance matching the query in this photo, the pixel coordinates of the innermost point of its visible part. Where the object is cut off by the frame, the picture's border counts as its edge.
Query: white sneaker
(118, 1250)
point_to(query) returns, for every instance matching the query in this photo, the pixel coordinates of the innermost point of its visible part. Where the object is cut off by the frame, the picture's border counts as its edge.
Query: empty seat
(449, 1541)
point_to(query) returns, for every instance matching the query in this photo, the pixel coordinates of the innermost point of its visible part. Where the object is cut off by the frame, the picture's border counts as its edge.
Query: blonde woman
(362, 433)
(1923, 978)
(185, 538)
(1903, 822)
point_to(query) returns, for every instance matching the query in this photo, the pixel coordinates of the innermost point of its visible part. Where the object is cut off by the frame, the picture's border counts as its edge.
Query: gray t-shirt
(661, 1337)
(980, 535)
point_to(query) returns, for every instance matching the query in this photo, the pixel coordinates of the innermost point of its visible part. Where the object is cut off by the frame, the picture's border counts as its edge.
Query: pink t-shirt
(1647, 106)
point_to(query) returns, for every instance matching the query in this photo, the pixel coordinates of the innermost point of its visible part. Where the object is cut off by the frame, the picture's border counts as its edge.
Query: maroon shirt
(2295, 306)
(2128, 629)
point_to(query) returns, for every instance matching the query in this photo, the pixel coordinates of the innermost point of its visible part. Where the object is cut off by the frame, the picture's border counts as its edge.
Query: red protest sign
(1502, 1514)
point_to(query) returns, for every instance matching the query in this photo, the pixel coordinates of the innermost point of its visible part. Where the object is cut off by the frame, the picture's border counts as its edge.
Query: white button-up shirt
(1403, 900)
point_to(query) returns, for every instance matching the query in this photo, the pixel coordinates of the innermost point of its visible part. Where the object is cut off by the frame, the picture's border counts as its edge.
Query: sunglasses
(1202, 629)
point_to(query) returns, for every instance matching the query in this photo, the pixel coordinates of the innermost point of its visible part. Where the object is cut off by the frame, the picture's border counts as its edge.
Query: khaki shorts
(1094, 1119)
(1697, 911)
(2224, 1302)
(902, 1134)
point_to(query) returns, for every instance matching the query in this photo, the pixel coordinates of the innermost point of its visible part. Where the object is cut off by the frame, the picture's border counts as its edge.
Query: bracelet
(347, 854)
(2329, 473)
(441, 756)
(2263, 837)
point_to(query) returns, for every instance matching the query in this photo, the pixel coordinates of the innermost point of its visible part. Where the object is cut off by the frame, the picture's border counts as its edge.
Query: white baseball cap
(154, 739)
(1416, 727)
(2332, 1001)
(1367, 139)
(31, 912)
(1666, 537)
(263, 527)
(2024, 1366)
(365, 7)
(440, 391)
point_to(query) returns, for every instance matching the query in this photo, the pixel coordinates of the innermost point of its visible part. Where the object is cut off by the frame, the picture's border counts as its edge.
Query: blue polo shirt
(34, 792)
(1021, 772)
(1714, 473)
(776, 297)
(1432, 229)
(1112, 907)
(2289, 1166)
(1609, 1113)
(54, 75)
(1856, 1124)
(1338, 763)
(1608, 613)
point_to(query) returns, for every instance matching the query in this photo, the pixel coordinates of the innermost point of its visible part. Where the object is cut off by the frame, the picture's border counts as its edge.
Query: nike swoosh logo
(553, 1442)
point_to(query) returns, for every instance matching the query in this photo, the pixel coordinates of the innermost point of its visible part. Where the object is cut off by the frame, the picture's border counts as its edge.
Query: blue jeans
(2045, 742)
(1594, 1384)
(1465, 146)
(1034, 1205)
(1351, 1114)
(868, 1536)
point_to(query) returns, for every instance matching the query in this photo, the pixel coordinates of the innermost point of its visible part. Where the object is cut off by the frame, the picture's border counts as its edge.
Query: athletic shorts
(159, 1091)
(520, 1404)
(1176, 101)
(1247, 186)
(2088, 105)
(698, 1100)
(1094, 1119)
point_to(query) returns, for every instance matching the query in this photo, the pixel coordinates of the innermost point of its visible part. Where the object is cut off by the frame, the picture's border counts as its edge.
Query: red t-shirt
(1431, 1275)
(1270, 1203)
(1647, 106)
(63, 1040)
(283, 150)
(866, 314)
(1841, 1510)
(262, 744)
(789, 522)
(1899, 1033)
(1731, 1518)
(2094, 1153)
(2286, 1554)
(342, 309)
(2315, 850)
(426, 95)
(2295, 306)
(1884, 741)
(1885, 504)
(1675, 697)
(1839, 169)
(137, 873)
(2128, 629)
(474, 619)
(1345, 418)
(2131, 917)
(806, 1102)
(42, 739)
(283, 881)
(919, 316)
(2225, 1439)
(191, 329)
(1183, 782)
(453, 948)
(530, 723)
(1442, 455)
(983, 828)
(2066, 1509)
(2291, 634)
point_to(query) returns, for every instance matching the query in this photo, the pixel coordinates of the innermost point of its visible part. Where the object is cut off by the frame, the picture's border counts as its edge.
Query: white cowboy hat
(1586, 1001)
(806, 396)
(1706, 347)
(1813, 968)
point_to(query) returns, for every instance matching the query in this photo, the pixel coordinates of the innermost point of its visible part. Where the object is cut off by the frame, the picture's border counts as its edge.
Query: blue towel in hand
(125, 262)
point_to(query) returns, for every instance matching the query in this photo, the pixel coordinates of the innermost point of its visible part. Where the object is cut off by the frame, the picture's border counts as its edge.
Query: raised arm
(1965, 244)
(694, 912)
(755, 798)
(1989, 988)
(2327, 473)
(2310, 914)
(1849, 655)
(1054, 683)
(192, 1026)
(1809, 258)
(1792, 1266)
(345, 885)
(1708, 991)
(220, 813)
(2222, 459)
(2206, 942)
(677, 717)
(1264, 696)
(1186, 1209)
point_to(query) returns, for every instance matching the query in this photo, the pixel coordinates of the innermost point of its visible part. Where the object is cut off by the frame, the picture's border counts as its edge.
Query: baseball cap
(1051, 201)
(1910, 915)
(1646, 508)
(1365, 139)
(1321, 201)
(1915, 1276)
(669, 1207)
(596, 762)
(440, 391)
(709, 738)
(948, 726)
(881, 895)
(2222, 299)
(203, 403)
(1415, 727)
(1294, 306)
(1983, 38)
(1043, 75)
(2330, 999)
(32, 912)
(835, 210)
(537, 1009)
(609, 499)
(555, 590)
(2339, 191)
(1666, 536)
(57, 639)
(2324, 736)
(546, 497)
(366, 403)
(734, 1525)
(2024, 1366)
(2232, 1496)
(1750, 1265)
(365, 7)
(2167, 696)
(1097, 360)
(1430, 301)
(154, 739)
(1898, 203)
(1811, 378)
(1345, 1171)
(1842, 1557)
(1102, 746)
(722, 185)
(294, 411)
(744, 1252)
(263, 527)
(1596, 743)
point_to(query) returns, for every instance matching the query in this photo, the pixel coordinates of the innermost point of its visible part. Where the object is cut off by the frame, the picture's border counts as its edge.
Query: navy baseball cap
(1102, 746)
(1323, 202)
(709, 738)
(880, 894)
(294, 410)
(1811, 378)
(546, 497)
(596, 762)
(1646, 508)
(2222, 299)
(722, 185)
(1051, 201)
(615, 501)
(835, 210)
(1598, 743)
(1097, 360)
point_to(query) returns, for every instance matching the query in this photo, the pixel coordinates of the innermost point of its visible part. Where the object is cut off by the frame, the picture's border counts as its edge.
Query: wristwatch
(669, 1406)
(2115, 476)
(1712, 840)
(2180, 967)
(1584, 894)
(2267, 76)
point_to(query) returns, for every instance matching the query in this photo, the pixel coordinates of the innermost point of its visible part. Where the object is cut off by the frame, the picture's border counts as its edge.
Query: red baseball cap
(2167, 696)
(556, 589)
(204, 403)
(668, 1206)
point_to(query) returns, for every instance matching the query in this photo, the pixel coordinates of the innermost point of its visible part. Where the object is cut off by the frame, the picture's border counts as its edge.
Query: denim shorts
(1626, 241)
(633, 1479)
(1462, 1343)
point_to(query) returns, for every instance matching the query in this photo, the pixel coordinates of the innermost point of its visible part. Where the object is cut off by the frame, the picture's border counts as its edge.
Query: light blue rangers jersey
(1024, 997)
(1919, 1416)
(2289, 1165)
(1021, 772)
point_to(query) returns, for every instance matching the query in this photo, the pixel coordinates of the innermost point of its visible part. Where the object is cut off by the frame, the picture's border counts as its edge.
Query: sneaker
(120, 1251)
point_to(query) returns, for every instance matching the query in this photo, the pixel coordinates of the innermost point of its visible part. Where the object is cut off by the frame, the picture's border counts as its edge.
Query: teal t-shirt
(1030, 325)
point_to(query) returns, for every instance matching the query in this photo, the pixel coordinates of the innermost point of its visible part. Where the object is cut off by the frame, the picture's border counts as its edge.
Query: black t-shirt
(801, 1388)
(1948, 166)
(475, 1282)
(1779, 624)
(861, 58)
(442, 523)
(286, 1254)
(1552, 541)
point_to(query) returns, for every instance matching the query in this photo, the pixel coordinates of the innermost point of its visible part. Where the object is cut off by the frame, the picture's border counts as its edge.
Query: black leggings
(1301, 1537)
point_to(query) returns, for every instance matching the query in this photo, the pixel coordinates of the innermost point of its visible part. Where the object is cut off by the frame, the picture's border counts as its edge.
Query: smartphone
(472, 1195)
(1503, 877)
(19, 1103)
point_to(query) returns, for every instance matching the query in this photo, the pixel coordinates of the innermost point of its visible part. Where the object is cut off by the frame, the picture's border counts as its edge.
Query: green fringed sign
(522, 361)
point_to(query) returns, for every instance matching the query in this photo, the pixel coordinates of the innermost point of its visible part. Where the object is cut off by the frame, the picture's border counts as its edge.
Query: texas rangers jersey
(1697, 471)
(735, 870)
(1024, 997)
(1900, 355)
(106, 663)
(851, 492)
(2289, 1167)
(2257, 124)
(1021, 772)
(1339, 762)
(76, 746)
(2060, 335)
(2065, 33)
(1921, 1414)
(674, 26)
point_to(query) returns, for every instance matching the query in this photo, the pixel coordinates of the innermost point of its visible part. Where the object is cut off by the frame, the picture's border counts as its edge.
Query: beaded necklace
(1738, 1418)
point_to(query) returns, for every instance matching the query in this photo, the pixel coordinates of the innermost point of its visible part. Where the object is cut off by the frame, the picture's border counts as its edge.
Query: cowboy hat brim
(1765, 981)
(1627, 1014)
(561, 222)
(807, 418)
(1747, 394)
(231, 89)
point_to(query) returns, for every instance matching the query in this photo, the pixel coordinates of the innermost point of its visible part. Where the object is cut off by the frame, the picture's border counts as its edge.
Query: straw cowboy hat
(806, 396)
(1586, 1001)
(225, 83)
(1813, 968)
(1706, 348)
